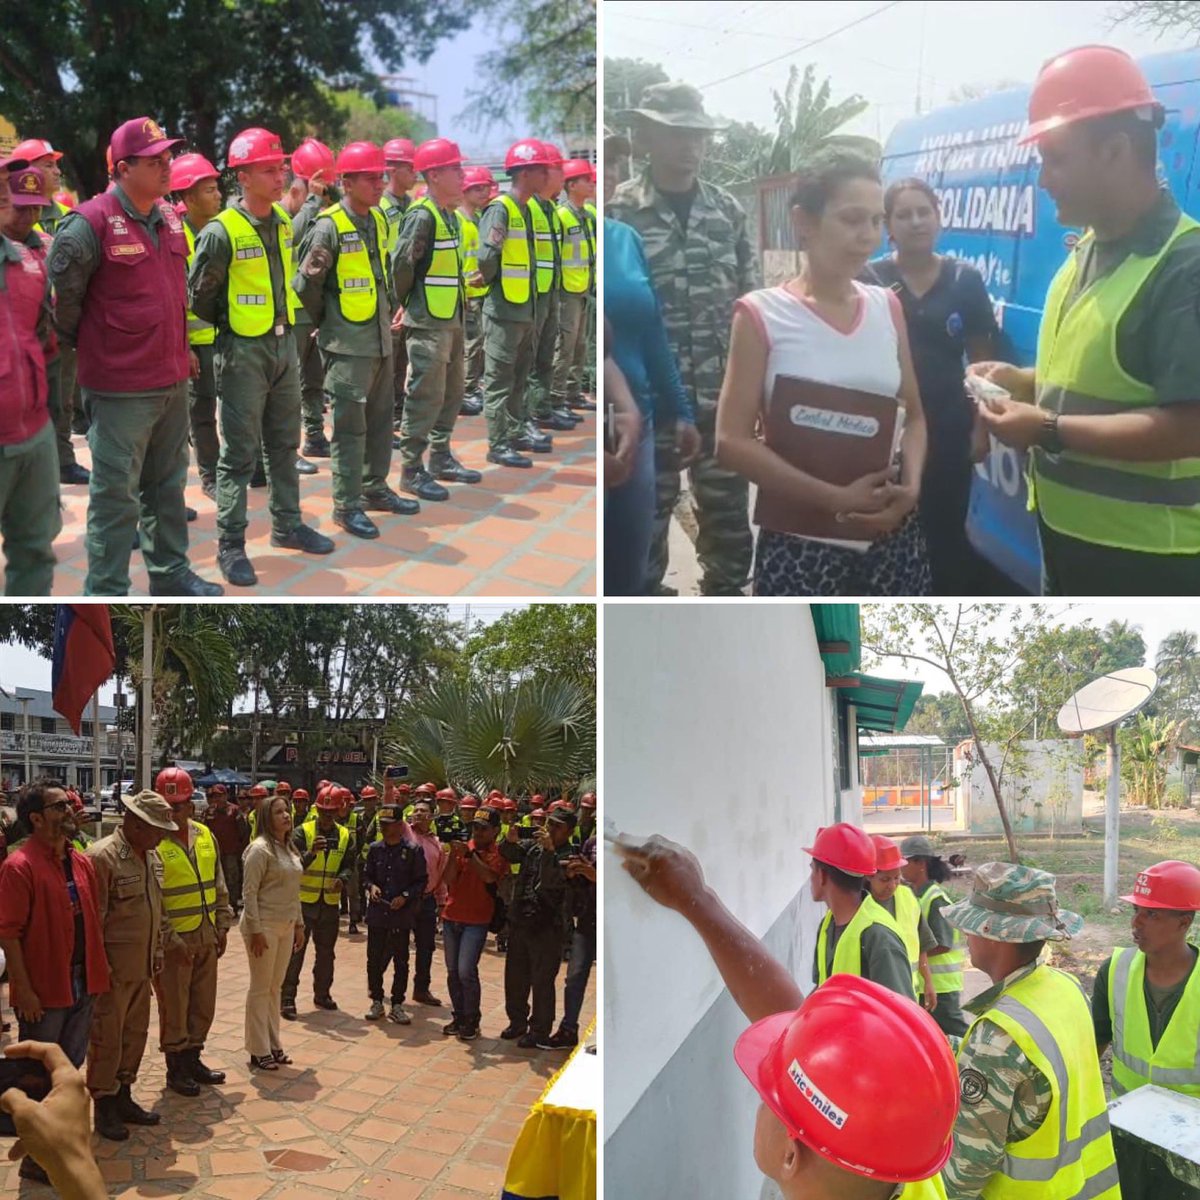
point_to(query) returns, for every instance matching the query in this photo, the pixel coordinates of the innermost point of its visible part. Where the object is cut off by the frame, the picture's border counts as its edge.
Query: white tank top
(802, 343)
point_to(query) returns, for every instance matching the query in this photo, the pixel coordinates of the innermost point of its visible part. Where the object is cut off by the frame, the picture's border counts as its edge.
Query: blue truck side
(995, 217)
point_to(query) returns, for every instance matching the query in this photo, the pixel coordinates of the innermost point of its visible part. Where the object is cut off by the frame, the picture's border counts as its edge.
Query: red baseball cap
(29, 188)
(142, 137)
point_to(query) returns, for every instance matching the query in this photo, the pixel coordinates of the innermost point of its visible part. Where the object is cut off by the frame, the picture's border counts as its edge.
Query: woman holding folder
(820, 407)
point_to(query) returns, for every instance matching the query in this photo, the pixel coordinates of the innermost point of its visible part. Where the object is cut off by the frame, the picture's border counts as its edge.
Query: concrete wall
(720, 734)
(1042, 788)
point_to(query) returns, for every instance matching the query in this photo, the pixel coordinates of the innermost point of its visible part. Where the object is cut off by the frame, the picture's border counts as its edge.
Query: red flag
(83, 657)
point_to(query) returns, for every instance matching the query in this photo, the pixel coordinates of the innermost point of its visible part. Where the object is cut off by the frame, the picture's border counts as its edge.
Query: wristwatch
(1050, 441)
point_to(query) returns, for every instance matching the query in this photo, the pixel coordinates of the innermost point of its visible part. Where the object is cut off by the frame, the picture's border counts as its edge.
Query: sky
(20, 667)
(940, 44)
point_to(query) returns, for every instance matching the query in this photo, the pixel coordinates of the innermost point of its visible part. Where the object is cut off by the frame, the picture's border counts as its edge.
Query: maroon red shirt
(470, 901)
(36, 909)
(224, 826)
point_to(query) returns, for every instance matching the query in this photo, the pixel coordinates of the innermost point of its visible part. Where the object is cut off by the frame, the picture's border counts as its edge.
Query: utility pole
(96, 746)
(147, 692)
(254, 729)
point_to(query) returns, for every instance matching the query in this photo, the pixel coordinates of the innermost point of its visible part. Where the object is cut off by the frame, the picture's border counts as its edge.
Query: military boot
(128, 1109)
(179, 1075)
(108, 1120)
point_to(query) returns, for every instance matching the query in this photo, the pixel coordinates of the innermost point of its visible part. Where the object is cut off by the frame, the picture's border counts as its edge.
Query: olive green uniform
(473, 331)
(30, 518)
(61, 373)
(312, 371)
(508, 336)
(202, 404)
(884, 958)
(436, 347)
(259, 383)
(395, 208)
(358, 360)
(545, 323)
(138, 439)
(574, 313)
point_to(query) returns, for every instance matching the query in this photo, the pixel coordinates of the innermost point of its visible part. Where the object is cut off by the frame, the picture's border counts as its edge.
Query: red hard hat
(559, 805)
(576, 168)
(1086, 82)
(1171, 884)
(403, 789)
(469, 801)
(399, 150)
(846, 847)
(218, 789)
(174, 784)
(588, 800)
(310, 157)
(189, 169)
(322, 783)
(554, 156)
(537, 812)
(369, 793)
(254, 146)
(257, 792)
(283, 786)
(300, 794)
(365, 157)
(75, 798)
(537, 800)
(528, 152)
(447, 793)
(887, 854)
(66, 199)
(426, 789)
(32, 149)
(841, 1073)
(478, 177)
(495, 793)
(437, 152)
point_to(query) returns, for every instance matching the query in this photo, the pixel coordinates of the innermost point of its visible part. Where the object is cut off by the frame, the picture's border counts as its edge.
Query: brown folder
(835, 434)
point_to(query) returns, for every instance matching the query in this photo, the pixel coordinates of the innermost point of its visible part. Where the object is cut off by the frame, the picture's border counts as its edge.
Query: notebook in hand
(835, 434)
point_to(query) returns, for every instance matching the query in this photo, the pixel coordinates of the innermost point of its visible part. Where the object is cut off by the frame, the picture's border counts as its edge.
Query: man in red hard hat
(477, 191)
(1146, 1003)
(578, 242)
(195, 181)
(345, 283)
(240, 282)
(837, 1073)
(398, 154)
(118, 266)
(427, 268)
(507, 267)
(1108, 411)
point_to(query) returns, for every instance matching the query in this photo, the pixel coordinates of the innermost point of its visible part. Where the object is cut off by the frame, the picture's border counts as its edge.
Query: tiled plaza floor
(374, 1110)
(518, 533)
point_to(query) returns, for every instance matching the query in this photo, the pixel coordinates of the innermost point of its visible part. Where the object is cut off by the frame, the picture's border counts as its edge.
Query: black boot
(201, 1073)
(446, 467)
(418, 482)
(234, 565)
(128, 1109)
(179, 1077)
(316, 445)
(108, 1120)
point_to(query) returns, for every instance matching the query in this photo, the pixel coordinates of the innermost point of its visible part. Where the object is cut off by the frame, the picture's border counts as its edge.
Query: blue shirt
(396, 870)
(640, 347)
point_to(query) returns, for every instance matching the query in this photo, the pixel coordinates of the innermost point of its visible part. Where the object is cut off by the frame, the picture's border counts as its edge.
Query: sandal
(266, 1063)
(281, 1058)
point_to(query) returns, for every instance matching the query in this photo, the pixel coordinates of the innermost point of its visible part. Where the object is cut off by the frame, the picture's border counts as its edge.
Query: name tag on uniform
(351, 243)
(128, 248)
(244, 247)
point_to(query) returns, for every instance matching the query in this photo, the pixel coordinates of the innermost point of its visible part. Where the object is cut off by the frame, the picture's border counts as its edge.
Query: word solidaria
(813, 1094)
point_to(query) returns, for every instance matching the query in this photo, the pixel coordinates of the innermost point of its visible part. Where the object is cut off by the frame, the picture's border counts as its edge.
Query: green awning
(882, 705)
(838, 638)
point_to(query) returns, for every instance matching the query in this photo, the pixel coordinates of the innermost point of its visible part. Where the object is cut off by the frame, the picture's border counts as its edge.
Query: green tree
(625, 79)
(740, 153)
(364, 121)
(536, 644)
(72, 71)
(1145, 749)
(1178, 665)
(939, 714)
(806, 118)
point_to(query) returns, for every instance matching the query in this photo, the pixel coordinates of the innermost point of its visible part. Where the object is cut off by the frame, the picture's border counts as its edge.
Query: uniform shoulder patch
(973, 1086)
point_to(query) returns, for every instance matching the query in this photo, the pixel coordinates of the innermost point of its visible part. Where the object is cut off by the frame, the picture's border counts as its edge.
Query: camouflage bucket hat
(1013, 904)
(917, 845)
(677, 104)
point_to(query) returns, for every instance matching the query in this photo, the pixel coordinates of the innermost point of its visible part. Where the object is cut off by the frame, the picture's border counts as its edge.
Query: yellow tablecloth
(554, 1157)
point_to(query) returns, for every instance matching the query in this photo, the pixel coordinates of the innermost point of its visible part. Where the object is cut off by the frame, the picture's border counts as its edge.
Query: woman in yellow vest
(1034, 1121)
(900, 904)
(1146, 1003)
(858, 1087)
(925, 872)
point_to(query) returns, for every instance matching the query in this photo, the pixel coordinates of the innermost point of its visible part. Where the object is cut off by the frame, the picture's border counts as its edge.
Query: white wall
(1042, 787)
(718, 734)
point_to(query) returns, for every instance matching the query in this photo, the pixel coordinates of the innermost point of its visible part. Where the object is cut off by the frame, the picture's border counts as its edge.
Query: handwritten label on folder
(847, 424)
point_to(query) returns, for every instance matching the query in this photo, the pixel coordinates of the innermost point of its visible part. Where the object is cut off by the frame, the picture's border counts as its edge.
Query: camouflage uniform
(1005, 1097)
(698, 272)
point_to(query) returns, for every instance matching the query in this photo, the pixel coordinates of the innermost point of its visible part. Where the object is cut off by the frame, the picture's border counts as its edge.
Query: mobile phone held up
(400, 772)
(27, 1075)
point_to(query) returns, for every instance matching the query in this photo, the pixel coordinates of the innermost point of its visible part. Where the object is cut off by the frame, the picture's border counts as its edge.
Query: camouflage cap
(152, 808)
(1010, 903)
(917, 845)
(677, 104)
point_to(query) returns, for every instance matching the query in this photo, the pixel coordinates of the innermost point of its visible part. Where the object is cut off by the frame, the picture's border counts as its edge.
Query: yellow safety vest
(1071, 1154)
(543, 245)
(1175, 1062)
(847, 958)
(314, 883)
(515, 264)
(394, 215)
(468, 235)
(189, 892)
(578, 247)
(927, 1189)
(357, 296)
(252, 821)
(908, 920)
(442, 281)
(250, 295)
(200, 333)
(946, 969)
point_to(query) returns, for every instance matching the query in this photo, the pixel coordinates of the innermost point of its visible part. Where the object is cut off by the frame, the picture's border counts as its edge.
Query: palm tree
(1178, 665)
(806, 120)
(1143, 750)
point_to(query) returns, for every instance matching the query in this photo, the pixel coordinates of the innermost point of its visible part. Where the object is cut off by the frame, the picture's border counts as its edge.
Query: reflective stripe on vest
(250, 294)
(314, 883)
(468, 236)
(442, 281)
(946, 969)
(515, 265)
(1175, 1062)
(200, 333)
(577, 251)
(357, 296)
(847, 958)
(543, 245)
(1148, 506)
(1070, 1157)
(188, 897)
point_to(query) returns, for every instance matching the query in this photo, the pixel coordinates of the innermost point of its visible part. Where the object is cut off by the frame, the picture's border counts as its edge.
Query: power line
(807, 45)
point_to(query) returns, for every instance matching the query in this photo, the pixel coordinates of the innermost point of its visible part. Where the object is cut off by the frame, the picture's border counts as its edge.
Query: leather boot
(128, 1109)
(200, 1073)
(179, 1077)
(108, 1121)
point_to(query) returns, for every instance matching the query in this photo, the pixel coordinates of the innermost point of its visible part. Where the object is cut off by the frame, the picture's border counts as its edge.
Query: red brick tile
(569, 545)
(487, 1178)
(417, 1162)
(499, 530)
(433, 579)
(537, 568)
(511, 587)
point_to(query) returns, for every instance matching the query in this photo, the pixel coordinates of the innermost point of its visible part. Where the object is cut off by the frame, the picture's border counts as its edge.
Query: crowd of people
(90, 929)
(1010, 1101)
(366, 300)
(698, 349)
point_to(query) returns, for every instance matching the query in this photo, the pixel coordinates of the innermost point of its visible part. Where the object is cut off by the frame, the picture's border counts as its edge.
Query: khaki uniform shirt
(129, 892)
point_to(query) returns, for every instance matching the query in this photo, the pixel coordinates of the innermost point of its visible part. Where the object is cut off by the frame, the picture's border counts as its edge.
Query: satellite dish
(1108, 700)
